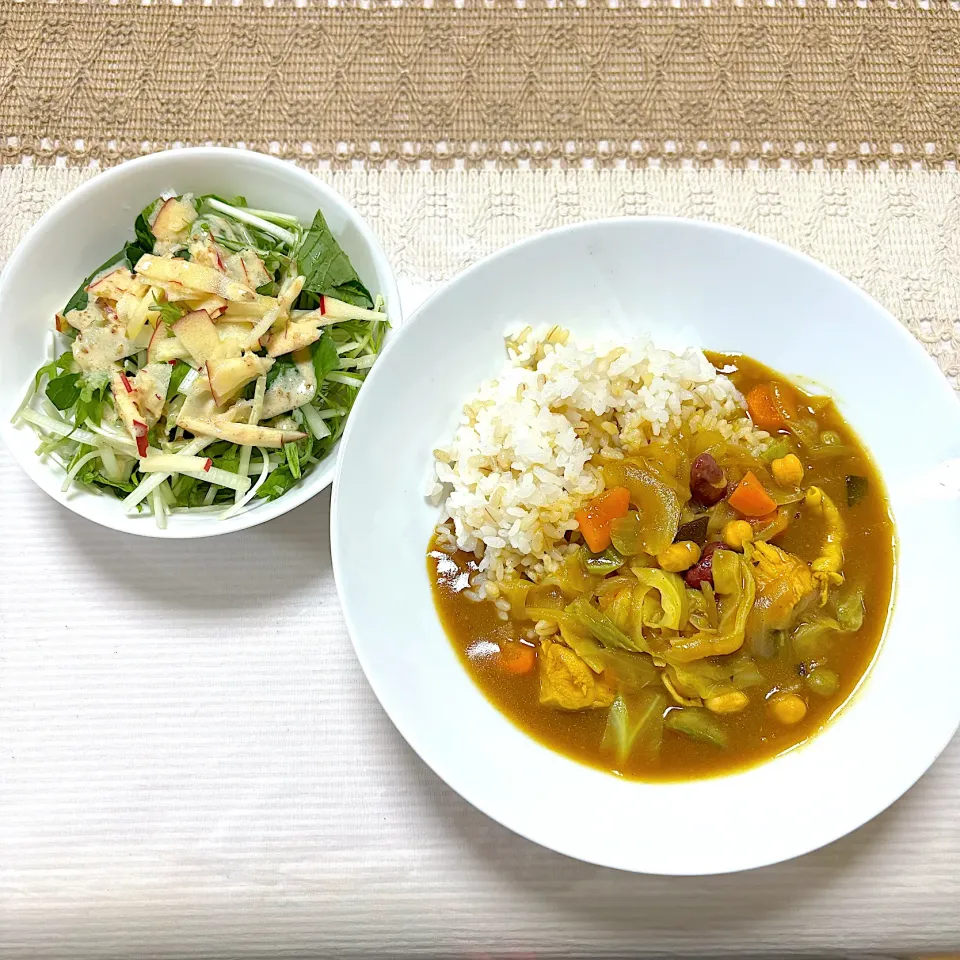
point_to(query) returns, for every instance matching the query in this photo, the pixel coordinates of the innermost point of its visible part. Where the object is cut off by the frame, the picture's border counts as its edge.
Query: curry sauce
(754, 734)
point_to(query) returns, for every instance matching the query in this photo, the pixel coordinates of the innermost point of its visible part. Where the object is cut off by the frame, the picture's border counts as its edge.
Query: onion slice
(252, 492)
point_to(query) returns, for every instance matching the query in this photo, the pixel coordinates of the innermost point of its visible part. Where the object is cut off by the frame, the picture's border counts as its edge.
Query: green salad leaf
(79, 300)
(325, 357)
(64, 391)
(282, 363)
(170, 312)
(141, 226)
(176, 377)
(327, 269)
(292, 453)
(93, 393)
(63, 364)
(277, 484)
(341, 358)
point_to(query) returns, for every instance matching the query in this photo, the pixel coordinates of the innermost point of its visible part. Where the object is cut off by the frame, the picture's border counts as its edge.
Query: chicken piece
(783, 581)
(828, 567)
(567, 682)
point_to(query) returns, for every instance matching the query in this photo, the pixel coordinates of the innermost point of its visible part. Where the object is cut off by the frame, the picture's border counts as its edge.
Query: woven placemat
(192, 764)
(895, 234)
(528, 81)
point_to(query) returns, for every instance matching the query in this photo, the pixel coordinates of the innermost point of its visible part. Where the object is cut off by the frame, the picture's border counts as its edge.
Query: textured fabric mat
(532, 80)
(896, 234)
(192, 764)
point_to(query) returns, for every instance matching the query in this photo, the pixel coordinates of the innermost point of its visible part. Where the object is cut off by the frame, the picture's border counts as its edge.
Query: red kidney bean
(703, 569)
(708, 484)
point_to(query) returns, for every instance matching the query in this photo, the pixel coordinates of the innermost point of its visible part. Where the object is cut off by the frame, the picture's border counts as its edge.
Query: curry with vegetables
(721, 605)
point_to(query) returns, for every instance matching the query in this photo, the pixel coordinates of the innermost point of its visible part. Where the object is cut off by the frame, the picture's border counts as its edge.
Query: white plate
(93, 222)
(730, 291)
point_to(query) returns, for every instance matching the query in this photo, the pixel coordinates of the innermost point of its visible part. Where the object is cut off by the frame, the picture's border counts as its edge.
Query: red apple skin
(126, 383)
(208, 465)
(141, 431)
(154, 340)
(213, 393)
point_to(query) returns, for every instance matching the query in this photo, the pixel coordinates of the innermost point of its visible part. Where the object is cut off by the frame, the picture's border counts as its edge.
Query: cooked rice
(519, 465)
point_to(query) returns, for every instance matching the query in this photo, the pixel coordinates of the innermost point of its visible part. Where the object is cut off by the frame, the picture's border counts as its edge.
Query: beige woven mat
(493, 80)
(896, 234)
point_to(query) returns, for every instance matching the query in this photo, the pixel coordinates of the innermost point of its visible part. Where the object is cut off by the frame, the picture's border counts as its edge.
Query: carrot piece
(750, 498)
(763, 408)
(595, 518)
(517, 658)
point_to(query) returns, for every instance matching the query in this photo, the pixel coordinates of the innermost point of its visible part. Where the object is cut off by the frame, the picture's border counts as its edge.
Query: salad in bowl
(210, 362)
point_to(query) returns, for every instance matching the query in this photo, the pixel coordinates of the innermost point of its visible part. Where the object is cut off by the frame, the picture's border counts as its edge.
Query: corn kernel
(736, 533)
(788, 470)
(788, 708)
(732, 702)
(679, 556)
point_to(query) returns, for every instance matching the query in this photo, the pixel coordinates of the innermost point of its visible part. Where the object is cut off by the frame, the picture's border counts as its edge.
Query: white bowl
(93, 222)
(731, 291)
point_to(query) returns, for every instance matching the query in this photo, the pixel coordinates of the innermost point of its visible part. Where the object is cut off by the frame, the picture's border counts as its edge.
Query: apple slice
(199, 404)
(172, 220)
(298, 334)
(234, 334)
(175, 463)
(193, 277)
(81, 319)
(243, 433)
(175, 292)
(215, 306)
(227, 377)
(331, 307)
(165, 351)
(207, 254)
(114, 285)
(159, 335)
(151, 385)
(195, 330)
(253, 310)
(294, 387)
(125, 401)
(137, 311)
(248, 268)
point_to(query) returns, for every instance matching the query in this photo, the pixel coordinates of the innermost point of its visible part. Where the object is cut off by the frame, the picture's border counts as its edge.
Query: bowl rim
(319, 479)
(842, 826)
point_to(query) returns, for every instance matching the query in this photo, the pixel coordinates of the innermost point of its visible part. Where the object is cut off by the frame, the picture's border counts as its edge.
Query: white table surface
(192, 764)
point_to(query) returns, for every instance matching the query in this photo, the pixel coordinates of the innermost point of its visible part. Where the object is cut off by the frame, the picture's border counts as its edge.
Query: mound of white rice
(519, 465)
